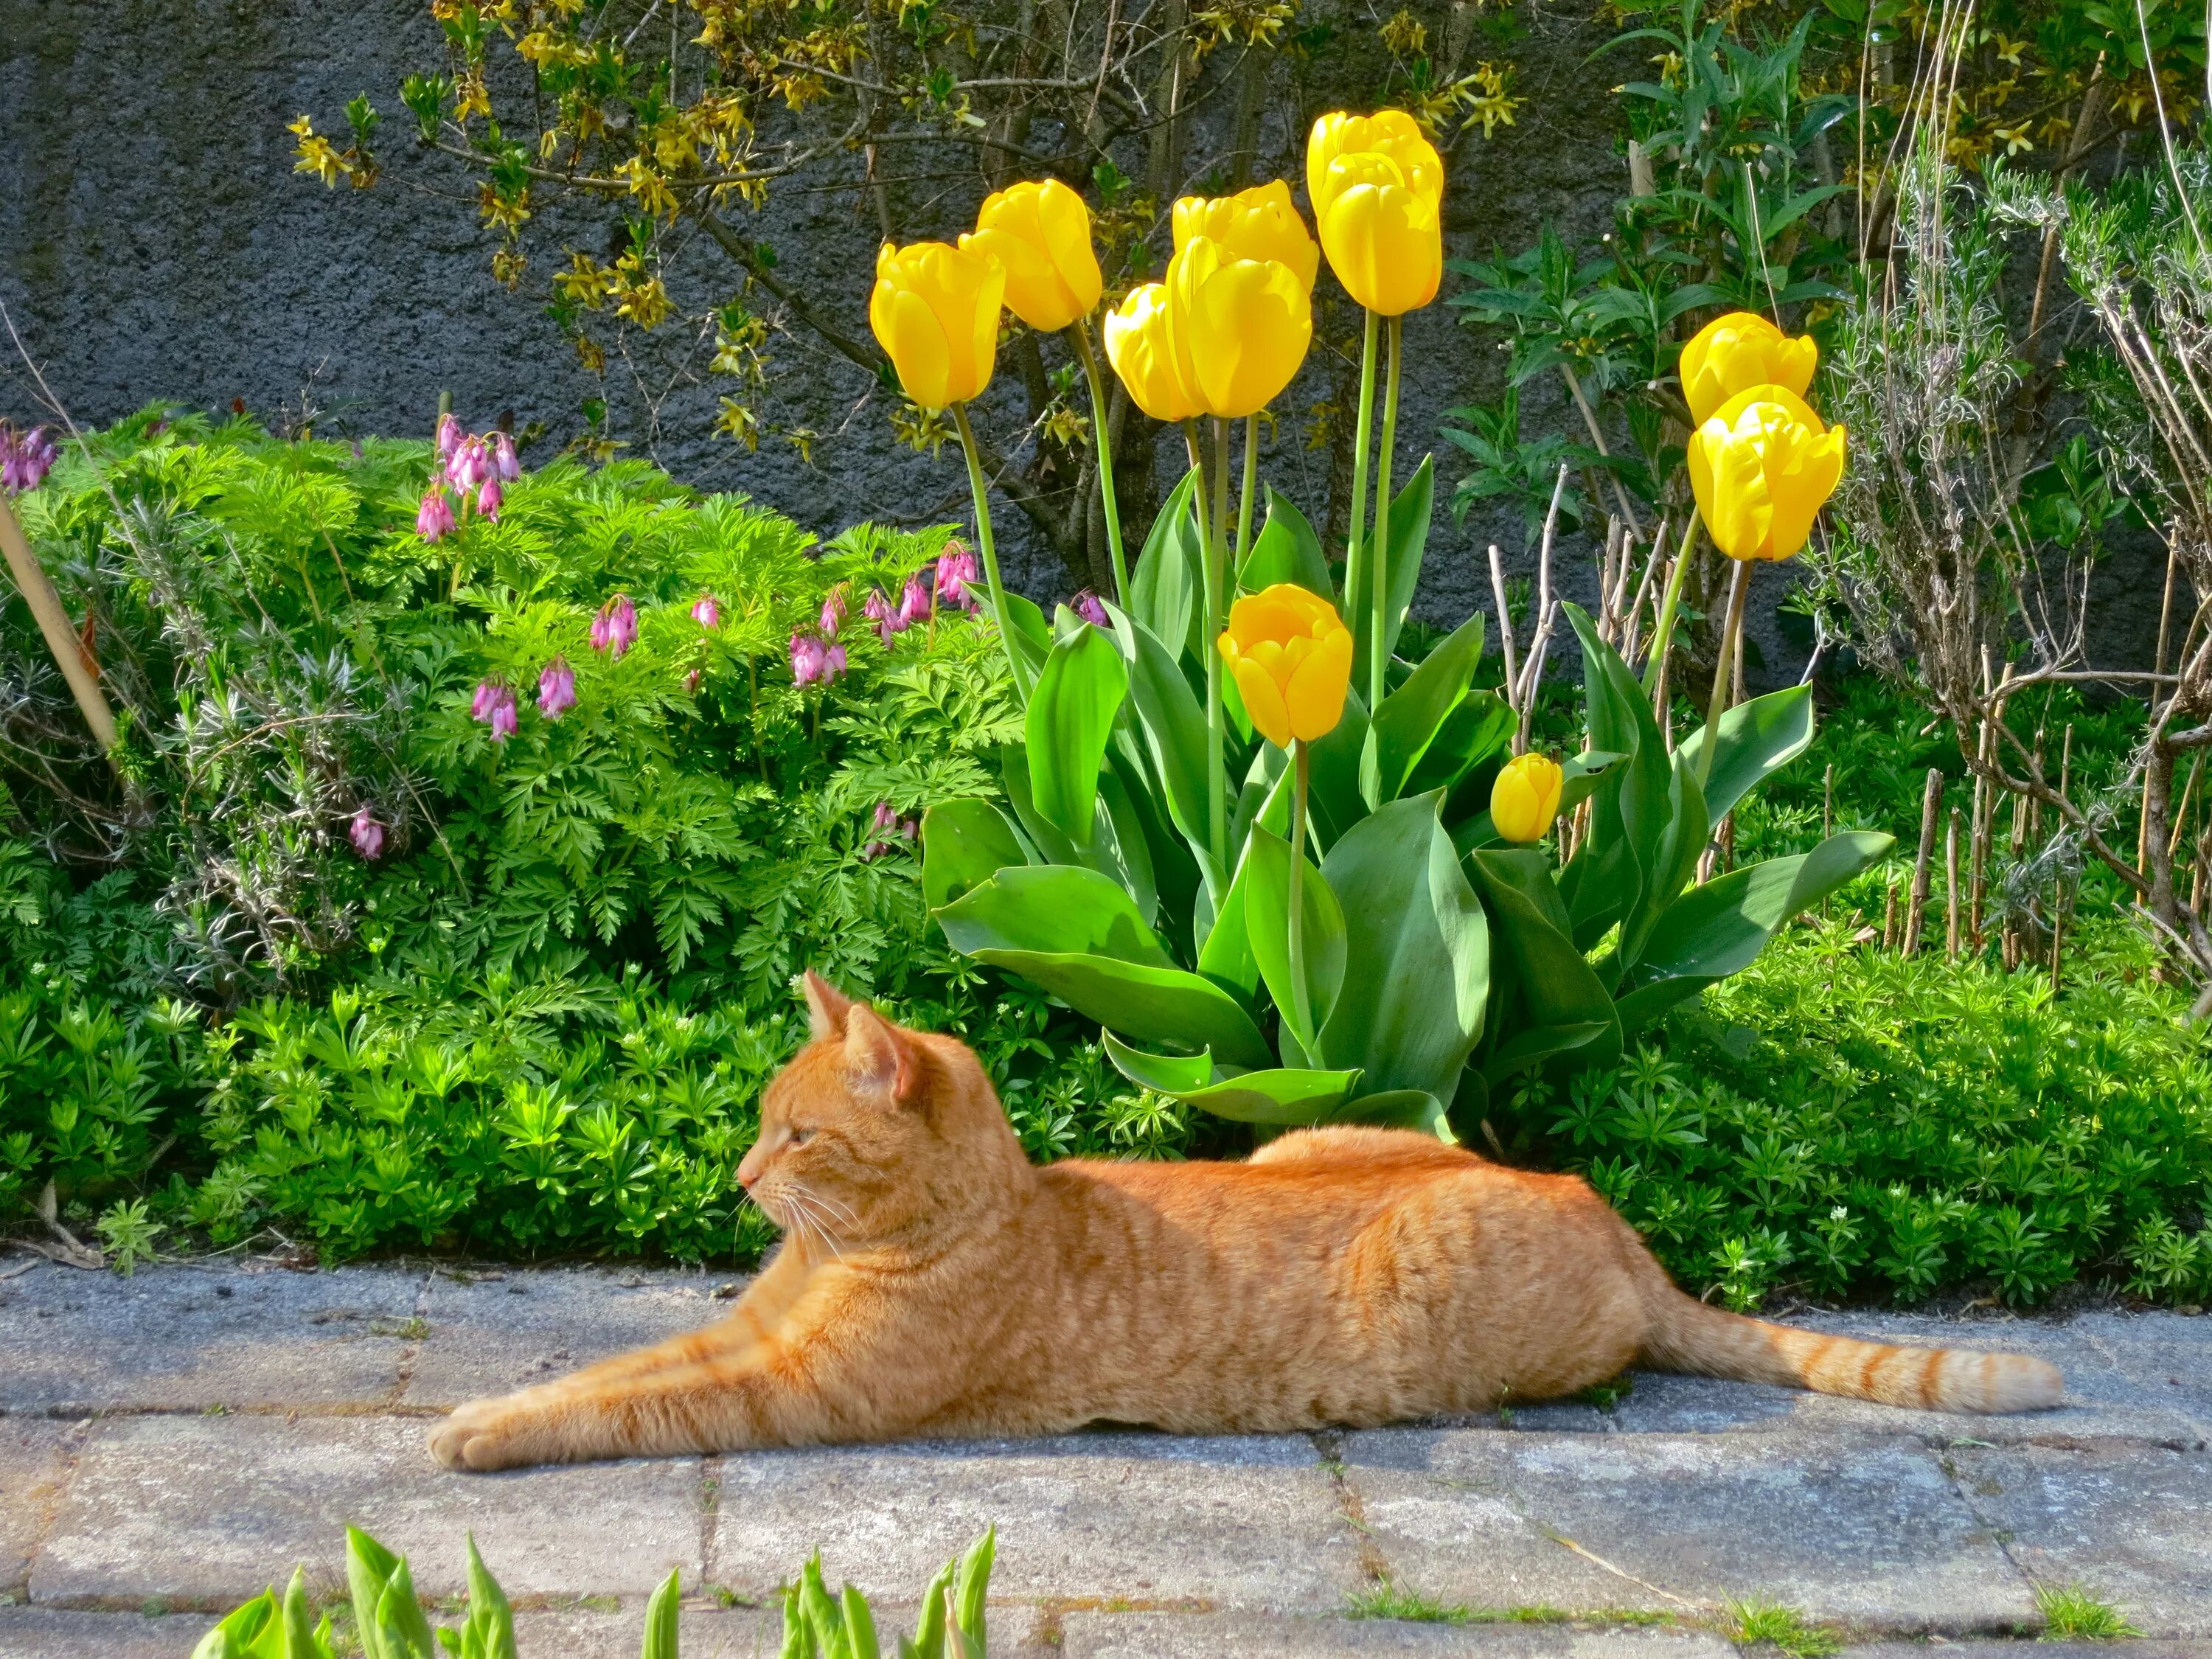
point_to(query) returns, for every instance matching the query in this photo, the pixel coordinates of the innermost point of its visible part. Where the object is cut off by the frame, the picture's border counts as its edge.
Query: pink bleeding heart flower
(691, 684)
(367, 836)
(705, 612)
(503, 716)
(1088, 606)
(449, 437)
(956, 573)
(25, 459)
(433, 520)
(556, 688)
(833, 661)
(886, 820)
(469, 466)
(881, 612)
(832, 612)
(614, 629)
(489, 498)
(480, 705)
(808, 659)
(506, 464)
(913, 603)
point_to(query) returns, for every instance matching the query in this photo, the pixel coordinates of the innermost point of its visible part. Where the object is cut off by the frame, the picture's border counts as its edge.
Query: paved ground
(172, 1442)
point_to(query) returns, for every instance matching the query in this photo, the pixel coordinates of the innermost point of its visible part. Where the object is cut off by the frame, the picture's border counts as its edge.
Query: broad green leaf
(1137, 807)
(1556, 984)
(370, 1569)
(1480, 728)
(303, 1639)
(402, 1630)
(964, 843)
(1167, 588)
(798, 1634)
(1579, 780)
(1156, 1005)
(929, 1628)
(1226, 957)
(236, 1634)
(1401, 1108)
(1104, 855)
(661, 1622)
(1417, 960)
(1054, 908)
(1266, 877)
(1528, 1049)
(1409, 539)
(1410, 717)
(860, 1628)
(1333, 794)
(1286, 551)
(1170, 718)
(1634, 810)
(1024, 623)
(1282, 1096)
(823, 1618)
(973, 1584)
(1758, 737)
(1720, 928)
(1121, 834)
(492, 1620)
(1070, 715)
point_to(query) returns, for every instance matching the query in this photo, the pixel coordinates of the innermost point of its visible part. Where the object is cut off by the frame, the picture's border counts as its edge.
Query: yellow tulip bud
(1136, 345)
(1390, 132)
(1737, 352)
(1040, 231)
(1385, 239)
(1525, 799)
(1761, 468)
(1291, 655)
(1261, 224)
(935, 312)
(1238, 328)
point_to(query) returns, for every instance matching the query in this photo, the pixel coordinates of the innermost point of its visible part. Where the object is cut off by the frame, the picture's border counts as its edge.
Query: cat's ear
(879, 1062)
(826, 1006)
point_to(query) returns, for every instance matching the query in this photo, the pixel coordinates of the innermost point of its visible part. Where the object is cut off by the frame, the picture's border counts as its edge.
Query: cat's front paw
(488, 1434)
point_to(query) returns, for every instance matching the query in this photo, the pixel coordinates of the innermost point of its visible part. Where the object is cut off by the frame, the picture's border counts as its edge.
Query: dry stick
(53, 622)
(1916, 915)
(1657, 558)
(1539, 641)
(1979, 856)
(1505, 624)
(2062, 906)
(1952, 917)
(1889, 918)
(2181, 814)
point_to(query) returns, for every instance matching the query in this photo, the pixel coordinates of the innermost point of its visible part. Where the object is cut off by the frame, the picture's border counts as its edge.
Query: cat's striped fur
(933, 1283)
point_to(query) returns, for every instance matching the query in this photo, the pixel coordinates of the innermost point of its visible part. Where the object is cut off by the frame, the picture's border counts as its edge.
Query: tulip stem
(990, 552)
(1379, 653)
(1724, 673)
(1216, 758)
(1301, 1004)
(1103, 445)
(1198, 465)
(1356, 550)
(1251, 481)
(1662, 631)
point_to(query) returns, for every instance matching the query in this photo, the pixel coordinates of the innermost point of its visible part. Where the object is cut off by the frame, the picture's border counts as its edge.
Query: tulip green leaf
(1757, 738)
(1579, 780)
(1266, 877)
(402, 1631)
(490, 1630)
(963, 844)
(1409, 539)
(1401, 1108)
(1078, 935)
(1226, 957)
(661, 1622)
(1632, 812)
(929, 1629)
(1169, 717)
(1332, 797)
(1285, 1096)
(1023, 624)
(1105, 855)
(1527, 1049)
(1167, 588)
(1417, 952)
(859, 1629)
(1480, 728)
(1410, 717)
(1555, 982)
(1071, 716)
(971, 1586)
(1286, 550)
(1720, 928)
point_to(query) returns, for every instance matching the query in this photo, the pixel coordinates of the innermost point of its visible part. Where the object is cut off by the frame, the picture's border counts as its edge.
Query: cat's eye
(800, 1137)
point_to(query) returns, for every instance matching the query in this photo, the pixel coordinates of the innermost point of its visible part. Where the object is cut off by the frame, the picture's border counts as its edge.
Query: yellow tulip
(1261, 224)
(1525, 799)
(1238, 328)
(1737, 352)
(1136, 345)
(1390, 132)
(1384, 238)
(1040, 231)
(1761, 468)
(1290, 654)
(935, 312)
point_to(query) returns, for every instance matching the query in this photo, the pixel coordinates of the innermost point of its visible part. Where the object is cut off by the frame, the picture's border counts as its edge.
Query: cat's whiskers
(811, 1206)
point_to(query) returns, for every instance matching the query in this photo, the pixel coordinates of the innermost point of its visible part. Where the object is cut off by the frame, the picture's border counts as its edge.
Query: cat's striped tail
(1687, 1335)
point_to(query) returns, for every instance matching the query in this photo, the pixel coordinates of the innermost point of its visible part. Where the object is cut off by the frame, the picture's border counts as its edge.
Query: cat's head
(875, 1133)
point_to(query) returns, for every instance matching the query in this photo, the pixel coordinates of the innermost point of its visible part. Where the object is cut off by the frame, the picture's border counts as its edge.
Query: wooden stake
(46, 603)
(1916, 915)
(1952, 909)
(1889, 917)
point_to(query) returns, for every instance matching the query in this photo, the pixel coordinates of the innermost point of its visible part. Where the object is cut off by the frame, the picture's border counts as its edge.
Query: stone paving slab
(2134, 1527)
(1840, 1527)
(1244, 1521)
(1229, 1636)
(192, 1337)
(35, 1466)
(494, 1333)
(209, 1510)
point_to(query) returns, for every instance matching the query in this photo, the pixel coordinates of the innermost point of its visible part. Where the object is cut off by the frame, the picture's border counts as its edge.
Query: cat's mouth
(802, 1212)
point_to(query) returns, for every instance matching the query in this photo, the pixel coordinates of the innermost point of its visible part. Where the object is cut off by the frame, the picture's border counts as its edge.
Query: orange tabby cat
(935, 1283)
